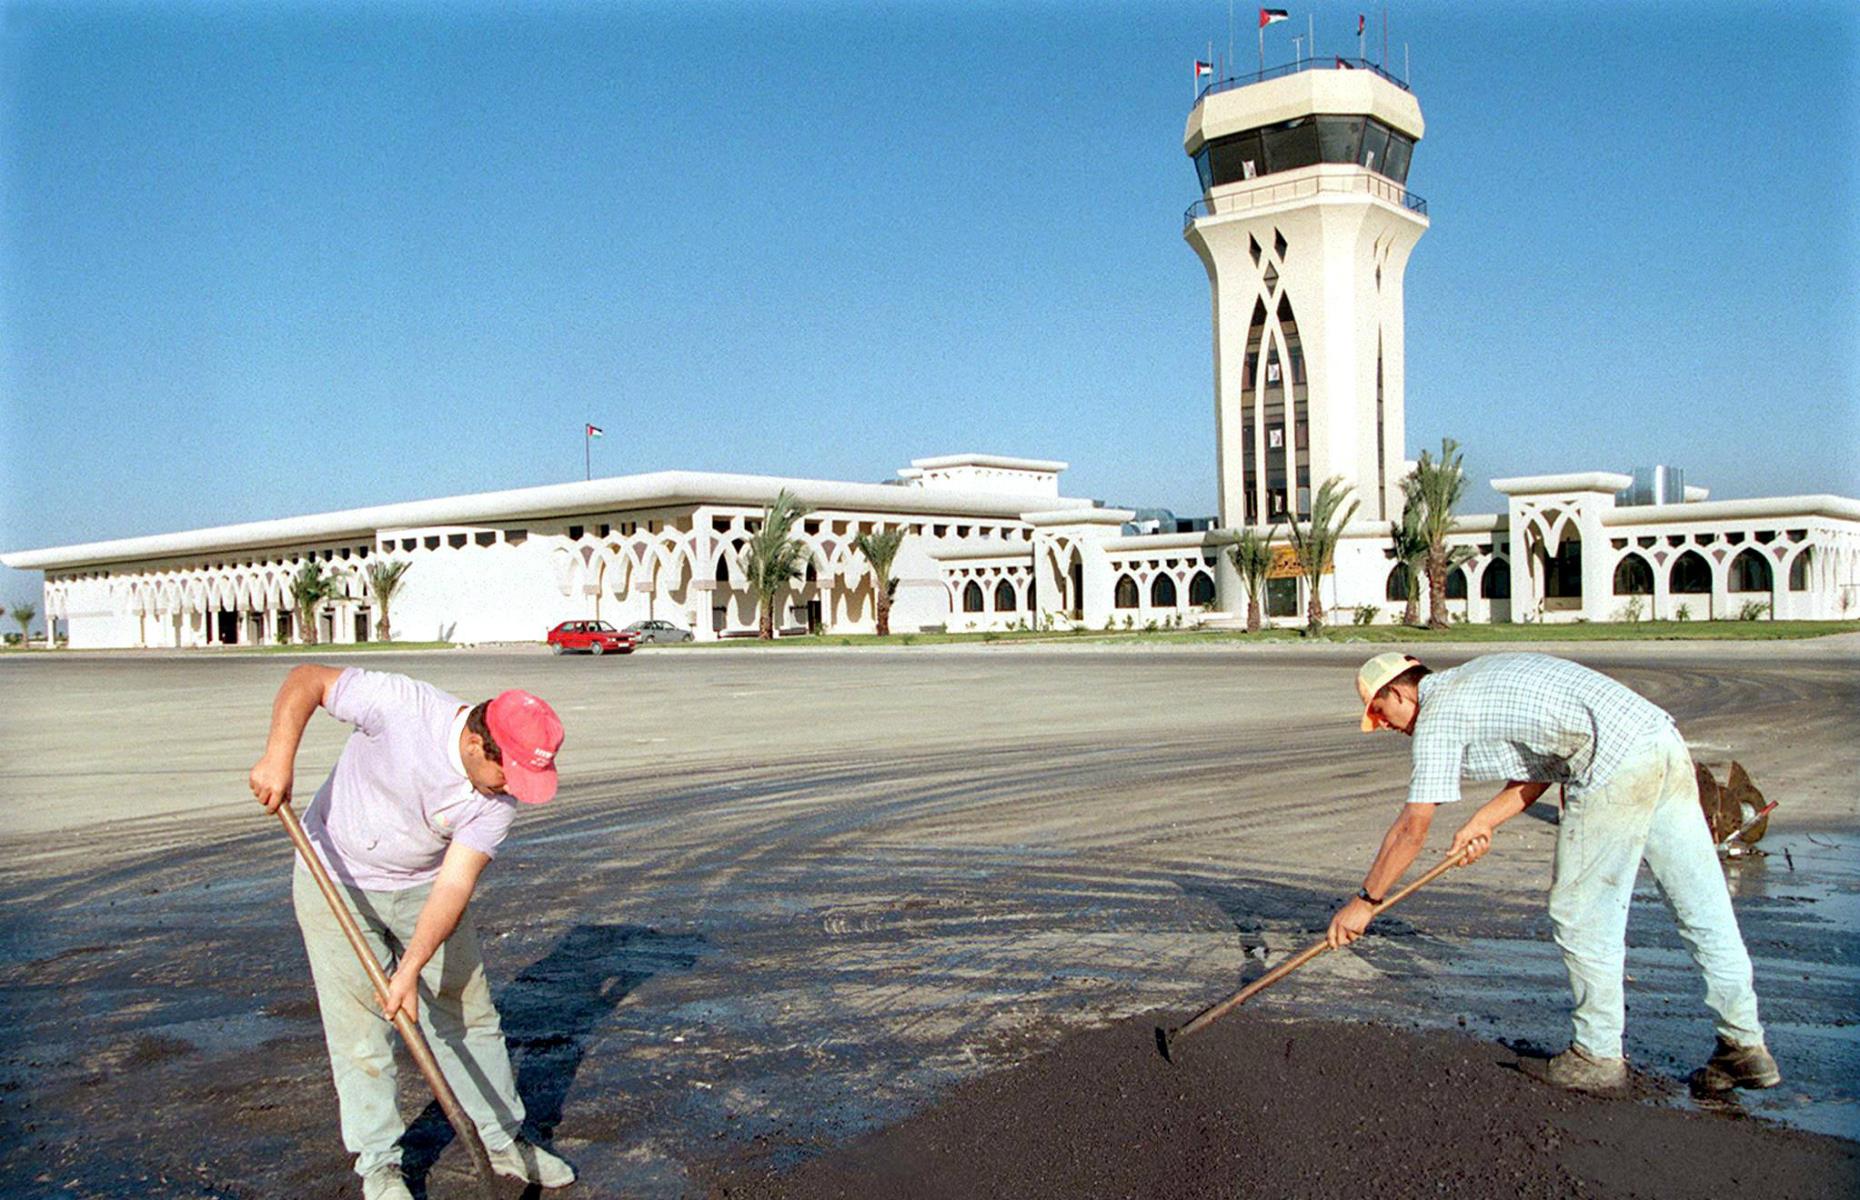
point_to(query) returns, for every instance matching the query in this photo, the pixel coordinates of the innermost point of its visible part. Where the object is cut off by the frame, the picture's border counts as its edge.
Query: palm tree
(881, 550)
(384, 582)
(1438, 484)
(309, 588)
(1252, 555)
(773, 557)
(1409, 548)
(23, 613)
(1316, 542)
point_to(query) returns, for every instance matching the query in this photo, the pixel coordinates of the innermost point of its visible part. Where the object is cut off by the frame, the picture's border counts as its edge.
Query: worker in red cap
(413, 812)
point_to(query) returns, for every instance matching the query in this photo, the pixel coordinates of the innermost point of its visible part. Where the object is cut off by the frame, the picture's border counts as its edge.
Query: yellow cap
(1377, 674)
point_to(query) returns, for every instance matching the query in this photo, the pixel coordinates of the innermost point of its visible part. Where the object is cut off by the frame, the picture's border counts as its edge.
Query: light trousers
(456, 1014)
(1647, 810)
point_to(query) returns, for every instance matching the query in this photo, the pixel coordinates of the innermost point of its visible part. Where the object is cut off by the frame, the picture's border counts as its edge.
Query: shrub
(1631, 611)
(1684, 613)
(1753, 610)
(1365, 614)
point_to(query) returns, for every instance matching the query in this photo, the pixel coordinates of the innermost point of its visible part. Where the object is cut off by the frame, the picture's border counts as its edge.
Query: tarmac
(787, 899)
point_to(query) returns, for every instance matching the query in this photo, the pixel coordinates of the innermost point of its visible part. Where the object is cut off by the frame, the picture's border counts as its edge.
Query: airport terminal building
(1304, 227)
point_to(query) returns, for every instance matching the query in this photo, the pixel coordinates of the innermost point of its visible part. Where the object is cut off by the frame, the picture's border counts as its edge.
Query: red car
(596, 637)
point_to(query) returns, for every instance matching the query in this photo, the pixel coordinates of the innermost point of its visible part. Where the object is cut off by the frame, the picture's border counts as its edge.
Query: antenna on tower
(1230, 33)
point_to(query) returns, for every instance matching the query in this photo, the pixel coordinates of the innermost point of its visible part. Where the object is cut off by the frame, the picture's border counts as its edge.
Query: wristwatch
(1362, 893)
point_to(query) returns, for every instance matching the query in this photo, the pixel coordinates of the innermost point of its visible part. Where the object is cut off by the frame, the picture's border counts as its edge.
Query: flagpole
(1262, 50)
(587, 453)
(1230, 32)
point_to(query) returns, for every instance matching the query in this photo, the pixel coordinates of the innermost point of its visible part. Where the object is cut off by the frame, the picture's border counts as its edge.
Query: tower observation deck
(1305, 225)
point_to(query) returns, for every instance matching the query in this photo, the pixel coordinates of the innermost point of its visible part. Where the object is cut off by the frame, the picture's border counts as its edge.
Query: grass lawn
(1646, 631)
(324, 648)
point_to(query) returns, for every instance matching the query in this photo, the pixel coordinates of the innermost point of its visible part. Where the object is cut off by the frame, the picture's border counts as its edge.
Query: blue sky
(263, 259)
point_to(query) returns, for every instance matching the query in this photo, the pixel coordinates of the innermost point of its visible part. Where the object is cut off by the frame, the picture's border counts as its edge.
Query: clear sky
(266, 259)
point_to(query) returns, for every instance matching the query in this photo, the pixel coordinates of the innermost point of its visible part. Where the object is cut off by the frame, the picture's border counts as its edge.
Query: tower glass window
(1374, 153)
(1304, 142)
(1339, 138)
(1291, 145)
(1237, 158)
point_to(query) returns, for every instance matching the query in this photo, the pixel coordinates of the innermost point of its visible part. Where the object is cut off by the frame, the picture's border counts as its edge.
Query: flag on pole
(595, 431)
(1272, 16)
(1360, 21)
(1202, 68)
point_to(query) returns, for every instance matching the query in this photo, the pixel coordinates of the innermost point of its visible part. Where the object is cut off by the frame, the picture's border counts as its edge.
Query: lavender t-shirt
(399, 795)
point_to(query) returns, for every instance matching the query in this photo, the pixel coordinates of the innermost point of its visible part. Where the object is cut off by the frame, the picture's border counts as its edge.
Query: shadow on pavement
(551, 1011)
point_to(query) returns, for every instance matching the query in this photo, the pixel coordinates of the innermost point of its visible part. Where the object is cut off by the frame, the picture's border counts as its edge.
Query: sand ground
(786, 899)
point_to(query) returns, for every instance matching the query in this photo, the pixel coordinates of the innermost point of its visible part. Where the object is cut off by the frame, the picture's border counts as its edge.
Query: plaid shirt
(1528, 717)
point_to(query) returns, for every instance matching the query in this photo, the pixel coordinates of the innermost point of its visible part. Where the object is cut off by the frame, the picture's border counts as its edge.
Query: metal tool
(1735, 846)
(1166, 1039)
(408, 1027)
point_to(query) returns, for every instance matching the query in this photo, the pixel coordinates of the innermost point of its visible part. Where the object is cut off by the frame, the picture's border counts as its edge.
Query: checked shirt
(1527, 717)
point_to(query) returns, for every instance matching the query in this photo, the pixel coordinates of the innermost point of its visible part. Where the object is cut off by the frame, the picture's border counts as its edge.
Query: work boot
(385, 1183)
(1735, 1066)
(533, 1164)
(1579, 1071)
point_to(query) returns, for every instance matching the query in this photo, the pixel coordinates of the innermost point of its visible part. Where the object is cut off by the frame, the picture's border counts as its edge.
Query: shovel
(1166, 1039)
(409, 1028)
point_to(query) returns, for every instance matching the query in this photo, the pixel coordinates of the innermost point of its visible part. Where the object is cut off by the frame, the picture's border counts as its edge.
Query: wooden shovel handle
(1215, 1012)
(408, 1027)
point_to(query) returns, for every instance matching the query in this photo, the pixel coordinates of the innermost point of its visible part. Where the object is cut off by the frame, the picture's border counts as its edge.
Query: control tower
(1305, 226)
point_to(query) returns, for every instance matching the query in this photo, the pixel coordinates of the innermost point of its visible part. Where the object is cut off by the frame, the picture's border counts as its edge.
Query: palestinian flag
(1271, 16)
(1202, 68)
(595, 431)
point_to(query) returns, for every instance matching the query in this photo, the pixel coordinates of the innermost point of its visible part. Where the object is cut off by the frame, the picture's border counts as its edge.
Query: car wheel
(555, 647)
(597, 649)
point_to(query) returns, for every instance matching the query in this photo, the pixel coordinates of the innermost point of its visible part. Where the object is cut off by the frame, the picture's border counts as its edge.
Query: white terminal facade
(1304, 227)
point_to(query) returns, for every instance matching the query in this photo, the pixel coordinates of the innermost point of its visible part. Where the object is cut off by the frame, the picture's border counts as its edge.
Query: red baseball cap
(528, 733)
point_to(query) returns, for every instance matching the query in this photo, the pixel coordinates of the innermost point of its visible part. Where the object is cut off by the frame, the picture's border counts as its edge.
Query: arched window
(1126, 592)
(1004, 597)
(1750, 572)
(810, 576)
(1691, 575)
(1798, 570)
(723, 570)
(1162, 592)
(1397, 587)
(972, 597)
(1563, 572)
(1495, 584)
(1456, 583)
(1201, 589)
(1633, 577)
